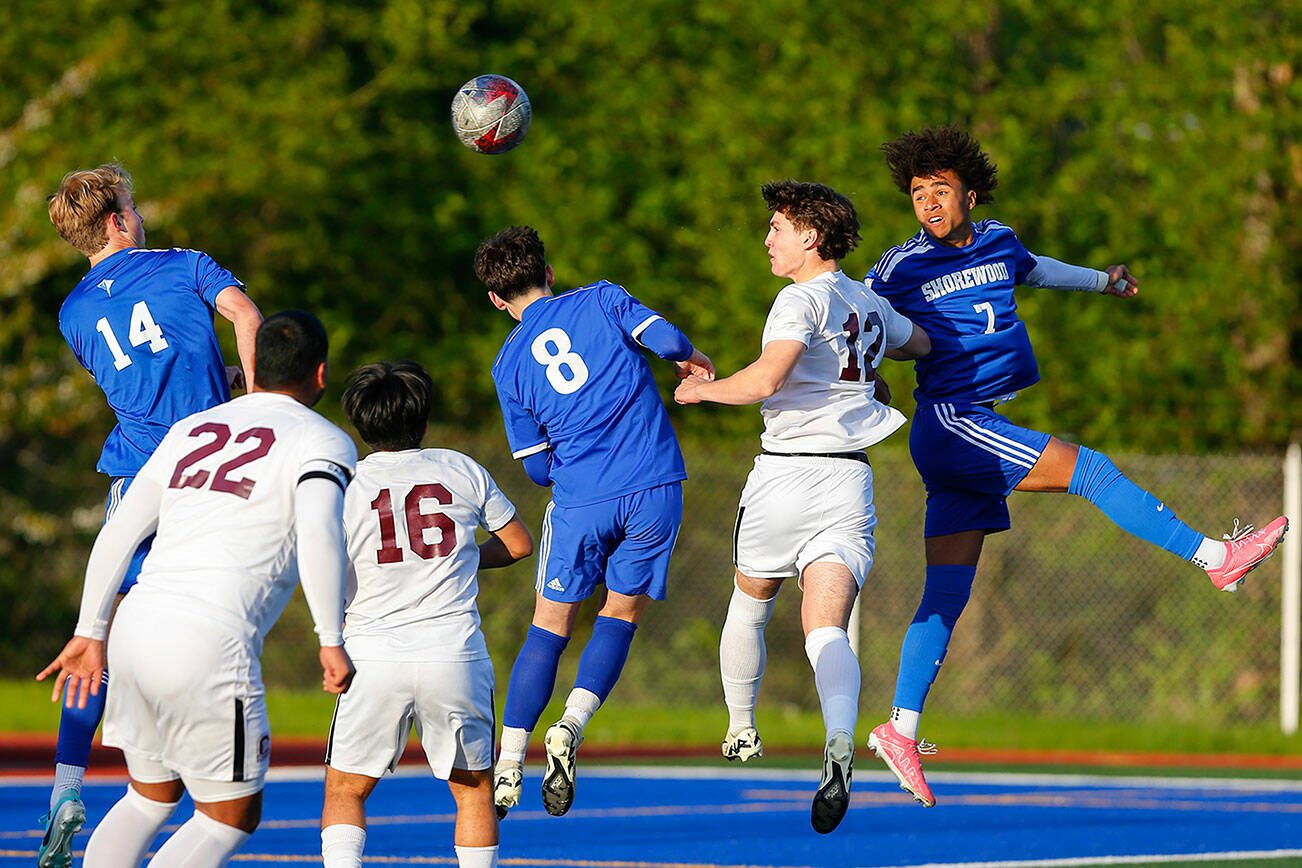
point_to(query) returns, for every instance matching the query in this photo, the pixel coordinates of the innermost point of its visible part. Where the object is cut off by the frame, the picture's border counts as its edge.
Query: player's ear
(320, 378)
(496, 300)
(551, 277)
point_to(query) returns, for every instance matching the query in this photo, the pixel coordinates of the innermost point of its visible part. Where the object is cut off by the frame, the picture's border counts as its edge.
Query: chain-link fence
(1070, 616)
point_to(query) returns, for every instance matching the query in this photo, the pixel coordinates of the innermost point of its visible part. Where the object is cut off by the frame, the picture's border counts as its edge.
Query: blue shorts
(970, 459)
(624, 543)
(117, 490)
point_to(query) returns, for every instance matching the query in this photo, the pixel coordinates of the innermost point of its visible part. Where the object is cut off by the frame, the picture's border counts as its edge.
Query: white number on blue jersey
(560, 359)
(989, 310)
(142, 330)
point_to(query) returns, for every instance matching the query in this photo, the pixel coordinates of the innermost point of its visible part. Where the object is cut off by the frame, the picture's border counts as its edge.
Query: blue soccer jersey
(963, 298)
(141, 322)
(572, 378)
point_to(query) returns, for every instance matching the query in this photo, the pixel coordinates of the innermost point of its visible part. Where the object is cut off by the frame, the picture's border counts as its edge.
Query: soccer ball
(491, 114)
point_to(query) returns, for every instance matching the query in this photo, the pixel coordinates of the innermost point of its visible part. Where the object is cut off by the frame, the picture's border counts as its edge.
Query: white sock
(905, 721)
(201, 843)
(124, 835)
(66, 777)
(836, 675)
(742, 655)
(477, 857)
(515, 742)
(580, 705)
(341, 845)
(1210, 554)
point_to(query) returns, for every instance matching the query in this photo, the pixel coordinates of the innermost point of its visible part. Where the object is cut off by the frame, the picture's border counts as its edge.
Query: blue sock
(604, 655)
(532, 678)
(927, 639)
(77, 728)
(1133, 510)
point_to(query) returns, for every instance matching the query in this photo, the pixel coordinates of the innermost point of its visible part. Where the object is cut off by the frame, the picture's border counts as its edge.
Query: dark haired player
(235, 493)
(956, 279)
(807, 509)
(583, 412)
(412, 624)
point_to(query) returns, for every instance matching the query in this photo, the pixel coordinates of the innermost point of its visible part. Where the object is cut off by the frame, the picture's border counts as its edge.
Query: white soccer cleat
(562, 744)
(508, 780)
(740, 745)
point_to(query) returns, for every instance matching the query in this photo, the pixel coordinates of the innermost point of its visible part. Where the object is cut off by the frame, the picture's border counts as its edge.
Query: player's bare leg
(1079, 470)
(532, 679)
(343, 818)
(475, 835)
(742, 658)
(830, 590)
(130, 827)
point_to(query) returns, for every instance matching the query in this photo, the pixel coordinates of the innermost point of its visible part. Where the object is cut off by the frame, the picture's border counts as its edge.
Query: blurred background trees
(306, 146)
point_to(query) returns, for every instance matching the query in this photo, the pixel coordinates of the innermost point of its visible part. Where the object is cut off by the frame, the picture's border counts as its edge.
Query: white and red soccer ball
(491, 114)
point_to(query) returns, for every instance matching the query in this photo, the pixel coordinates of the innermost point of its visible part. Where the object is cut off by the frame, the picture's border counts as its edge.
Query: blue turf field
(696, 818)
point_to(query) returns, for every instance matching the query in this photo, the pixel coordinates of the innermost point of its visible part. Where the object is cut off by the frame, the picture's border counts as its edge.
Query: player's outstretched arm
(236, 306)
(753, 383)
(82, 660)
(506, 545)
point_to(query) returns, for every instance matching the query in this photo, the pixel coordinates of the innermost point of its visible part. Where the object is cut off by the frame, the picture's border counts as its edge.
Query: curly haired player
(956, 278)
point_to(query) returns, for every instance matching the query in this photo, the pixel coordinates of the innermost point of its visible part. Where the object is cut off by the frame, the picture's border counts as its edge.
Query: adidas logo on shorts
(555, 585)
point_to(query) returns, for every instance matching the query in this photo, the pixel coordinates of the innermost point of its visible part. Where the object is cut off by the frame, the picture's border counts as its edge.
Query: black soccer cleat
(833, 797)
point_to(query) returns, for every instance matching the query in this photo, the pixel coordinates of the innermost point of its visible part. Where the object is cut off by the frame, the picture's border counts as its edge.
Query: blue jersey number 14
(141, 330)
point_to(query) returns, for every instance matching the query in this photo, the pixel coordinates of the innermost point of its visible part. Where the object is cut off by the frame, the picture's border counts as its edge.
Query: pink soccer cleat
(1245, 550)
(901, 756)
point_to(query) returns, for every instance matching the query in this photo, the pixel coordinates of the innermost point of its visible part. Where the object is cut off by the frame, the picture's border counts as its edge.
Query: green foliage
(306, 146)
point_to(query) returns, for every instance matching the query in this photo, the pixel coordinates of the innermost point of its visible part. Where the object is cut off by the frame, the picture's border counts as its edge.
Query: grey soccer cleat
(833, 797)
(508, 779)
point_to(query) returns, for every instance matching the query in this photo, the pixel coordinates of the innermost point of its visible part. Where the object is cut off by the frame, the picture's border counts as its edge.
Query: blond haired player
(413, 627)
(236, 494)
(807, 508)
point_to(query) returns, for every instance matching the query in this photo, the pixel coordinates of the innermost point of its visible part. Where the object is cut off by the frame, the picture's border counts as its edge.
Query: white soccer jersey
(827, 402)
(411, 518)
(250, 453)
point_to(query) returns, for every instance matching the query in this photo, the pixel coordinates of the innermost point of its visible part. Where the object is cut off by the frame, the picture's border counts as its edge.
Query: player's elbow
(917, 346)
(516, 539)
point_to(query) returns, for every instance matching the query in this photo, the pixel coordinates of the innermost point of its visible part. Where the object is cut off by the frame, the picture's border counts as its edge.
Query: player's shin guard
(124, 835)
(532, 678)
(76, 732)
(836, 675)
(1133, 510)
(743, 655)
(945, 595)
(342, 845)
(604, 656)
(201, 842)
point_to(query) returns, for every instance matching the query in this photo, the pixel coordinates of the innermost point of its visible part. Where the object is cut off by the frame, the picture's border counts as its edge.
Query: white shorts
(450, 704)
(795, 511)
(185, 696)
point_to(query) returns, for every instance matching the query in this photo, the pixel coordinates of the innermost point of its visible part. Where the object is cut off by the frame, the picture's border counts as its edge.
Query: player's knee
(243, 814)
(467, 785)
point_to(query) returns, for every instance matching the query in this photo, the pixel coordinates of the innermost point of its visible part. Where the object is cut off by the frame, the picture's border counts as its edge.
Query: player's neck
(515, 307)
(813, 268)
(108, 250)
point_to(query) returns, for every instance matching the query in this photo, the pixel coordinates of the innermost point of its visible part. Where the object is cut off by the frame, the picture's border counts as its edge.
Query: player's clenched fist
(336, 669)
(688, 391)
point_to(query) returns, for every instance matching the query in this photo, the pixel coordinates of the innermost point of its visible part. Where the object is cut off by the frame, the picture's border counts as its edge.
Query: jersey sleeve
(210, 278)
(1023, 261)
(523, 433)
(628, 313)
(328, 454)
(497, 510)
(899, 328)
(793, 317)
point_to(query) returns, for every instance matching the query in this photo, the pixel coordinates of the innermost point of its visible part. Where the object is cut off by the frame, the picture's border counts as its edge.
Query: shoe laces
(927, 748)
(1238, 533)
